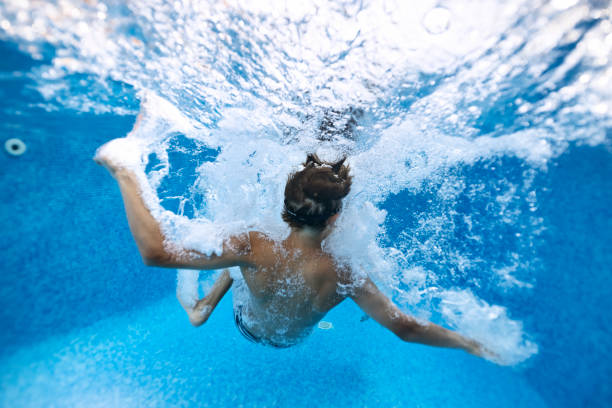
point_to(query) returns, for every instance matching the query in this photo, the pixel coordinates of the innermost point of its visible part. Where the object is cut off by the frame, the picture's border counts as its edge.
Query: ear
(331, 220)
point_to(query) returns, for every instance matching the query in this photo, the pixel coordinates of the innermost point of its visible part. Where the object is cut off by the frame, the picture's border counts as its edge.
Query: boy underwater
(292, 284)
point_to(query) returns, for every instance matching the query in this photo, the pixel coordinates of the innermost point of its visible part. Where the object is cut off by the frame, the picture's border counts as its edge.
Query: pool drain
(15, 147)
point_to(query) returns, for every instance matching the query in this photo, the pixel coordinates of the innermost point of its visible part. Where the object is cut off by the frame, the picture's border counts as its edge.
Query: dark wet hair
(315, 193)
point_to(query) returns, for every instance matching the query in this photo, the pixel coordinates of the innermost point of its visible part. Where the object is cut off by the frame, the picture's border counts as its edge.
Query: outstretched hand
(105, 160)
(122, 153)
(479, 350)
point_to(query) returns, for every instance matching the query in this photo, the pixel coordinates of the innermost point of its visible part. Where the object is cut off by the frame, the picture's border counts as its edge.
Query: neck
(306, 237)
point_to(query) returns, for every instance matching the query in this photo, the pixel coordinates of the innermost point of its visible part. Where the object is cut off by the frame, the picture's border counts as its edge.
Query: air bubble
(325, 325)
(563, 4)
(437, 20)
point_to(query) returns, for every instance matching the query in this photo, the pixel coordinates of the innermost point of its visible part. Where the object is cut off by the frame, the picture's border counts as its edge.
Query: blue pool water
(509, 217)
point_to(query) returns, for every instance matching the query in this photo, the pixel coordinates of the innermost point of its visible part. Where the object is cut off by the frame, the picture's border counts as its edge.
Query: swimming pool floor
(152, 357)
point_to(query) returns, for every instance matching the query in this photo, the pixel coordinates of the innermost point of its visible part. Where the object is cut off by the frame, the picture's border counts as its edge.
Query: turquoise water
(482, 196)
(151, 357)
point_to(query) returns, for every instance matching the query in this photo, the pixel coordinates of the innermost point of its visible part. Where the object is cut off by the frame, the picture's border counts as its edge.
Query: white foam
(123, 152)
(489, 324)
(256, 91)
(257, 168)
(187, 285)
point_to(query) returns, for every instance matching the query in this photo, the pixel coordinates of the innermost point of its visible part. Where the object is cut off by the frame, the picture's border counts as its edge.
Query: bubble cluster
(437, 20)
(452, 113)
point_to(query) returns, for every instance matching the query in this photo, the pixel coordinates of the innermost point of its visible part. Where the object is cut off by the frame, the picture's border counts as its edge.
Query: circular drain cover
(15, 147)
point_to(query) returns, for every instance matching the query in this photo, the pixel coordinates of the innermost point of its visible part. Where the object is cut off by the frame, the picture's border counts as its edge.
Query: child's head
(315, 193)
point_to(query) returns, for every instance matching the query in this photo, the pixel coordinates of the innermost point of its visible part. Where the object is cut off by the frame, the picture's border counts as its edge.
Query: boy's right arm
(379, 307)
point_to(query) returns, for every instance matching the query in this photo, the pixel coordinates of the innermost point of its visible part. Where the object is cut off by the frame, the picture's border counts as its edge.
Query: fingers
(138, 120)
(142, 112)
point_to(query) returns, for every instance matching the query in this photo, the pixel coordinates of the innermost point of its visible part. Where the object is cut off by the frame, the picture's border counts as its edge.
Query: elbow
(197, 321)
(154, 256)
(199, 315)
(150, 261)
(408, 330)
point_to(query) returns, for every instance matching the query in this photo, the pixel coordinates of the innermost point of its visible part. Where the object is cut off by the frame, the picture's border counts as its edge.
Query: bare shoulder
(239, 244)
(245, 241)
(260, 241)
(328, 270)
(261, 245)
(328, 279)
(343, 273)
(257, 237)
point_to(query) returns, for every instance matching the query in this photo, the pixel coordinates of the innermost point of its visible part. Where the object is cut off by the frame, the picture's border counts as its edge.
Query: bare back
(291, 287)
